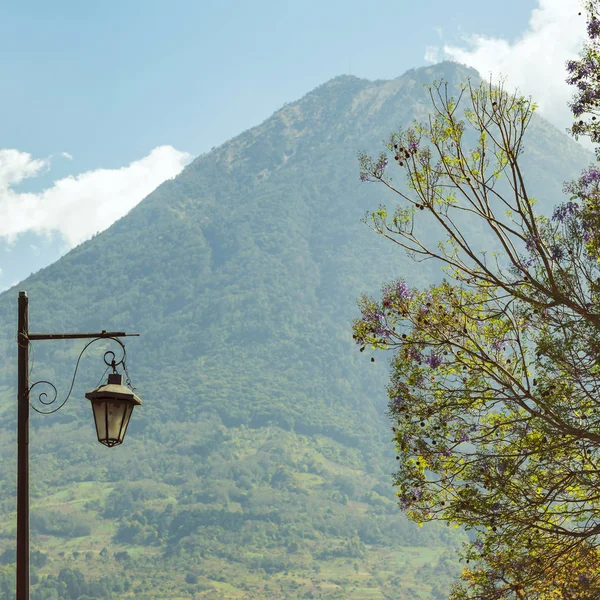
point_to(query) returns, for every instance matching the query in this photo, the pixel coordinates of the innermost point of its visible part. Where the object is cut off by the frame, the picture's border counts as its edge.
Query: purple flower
(593, 28)
(582, 85)
(589, 95)
(569, 188)
(563, 211)
(414, 354)
(382, 164)
(591, 175)
(434, 360)
(531, 242)
(464, 438)
(577, 108)
(377, 322)
(397, 403)
(497, 345)
(478, 544)
(412, 146)
(397, 291)
(585, 67)
(419, 380)
(557, 253)
(526, 263)
(409, 497)
(403, 291)
(373, 316)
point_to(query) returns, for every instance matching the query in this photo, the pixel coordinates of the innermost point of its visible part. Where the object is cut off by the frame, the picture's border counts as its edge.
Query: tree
(494, 376)
(584, 74)
(513, 573)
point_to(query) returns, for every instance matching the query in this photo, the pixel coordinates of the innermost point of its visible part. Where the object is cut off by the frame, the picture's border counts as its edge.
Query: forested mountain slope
(259, 464)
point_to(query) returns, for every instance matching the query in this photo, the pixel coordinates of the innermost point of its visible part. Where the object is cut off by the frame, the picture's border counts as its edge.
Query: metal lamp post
(112, 405)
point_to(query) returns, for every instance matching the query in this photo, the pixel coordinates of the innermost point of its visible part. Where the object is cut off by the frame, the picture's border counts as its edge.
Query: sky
(104, 101)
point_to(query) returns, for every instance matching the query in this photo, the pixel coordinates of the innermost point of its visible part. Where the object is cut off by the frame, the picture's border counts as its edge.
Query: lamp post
(112, 405)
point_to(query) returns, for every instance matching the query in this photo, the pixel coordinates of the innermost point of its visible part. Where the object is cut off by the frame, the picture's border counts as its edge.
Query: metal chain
(127, 377)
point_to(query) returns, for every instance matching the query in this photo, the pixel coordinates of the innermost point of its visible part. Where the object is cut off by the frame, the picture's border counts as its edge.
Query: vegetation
(585, 77)
(494, 382)
(259, 464)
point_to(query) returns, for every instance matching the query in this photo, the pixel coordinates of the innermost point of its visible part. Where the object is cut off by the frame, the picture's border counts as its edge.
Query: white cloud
(16, 166)
(81, 205)
(431, 54)
(535, 62)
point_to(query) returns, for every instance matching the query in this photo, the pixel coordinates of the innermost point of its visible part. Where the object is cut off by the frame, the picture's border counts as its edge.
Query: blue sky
(112, 97)
(108, 81)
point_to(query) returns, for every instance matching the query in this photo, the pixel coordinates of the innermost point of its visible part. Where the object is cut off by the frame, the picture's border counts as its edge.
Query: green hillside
(259, 465)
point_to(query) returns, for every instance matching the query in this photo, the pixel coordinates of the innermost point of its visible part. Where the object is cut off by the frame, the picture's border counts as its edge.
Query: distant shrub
(191, 578)
(122, 556)
(59, 524)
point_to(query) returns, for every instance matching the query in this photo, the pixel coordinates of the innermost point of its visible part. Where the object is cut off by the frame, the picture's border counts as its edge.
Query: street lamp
(112, 405)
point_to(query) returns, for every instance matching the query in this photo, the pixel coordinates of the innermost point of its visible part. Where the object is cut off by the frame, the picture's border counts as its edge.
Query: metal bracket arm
(75, 336)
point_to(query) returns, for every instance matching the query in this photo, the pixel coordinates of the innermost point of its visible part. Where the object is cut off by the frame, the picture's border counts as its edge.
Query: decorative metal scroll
(110, 362)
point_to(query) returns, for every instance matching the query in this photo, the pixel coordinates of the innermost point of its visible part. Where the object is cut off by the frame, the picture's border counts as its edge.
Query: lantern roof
(115, 390)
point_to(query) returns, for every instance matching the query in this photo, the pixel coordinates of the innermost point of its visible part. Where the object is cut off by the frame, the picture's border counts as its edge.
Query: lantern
(112, 404)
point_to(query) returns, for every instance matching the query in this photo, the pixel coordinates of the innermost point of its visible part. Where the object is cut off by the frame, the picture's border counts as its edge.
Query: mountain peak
(447, 70)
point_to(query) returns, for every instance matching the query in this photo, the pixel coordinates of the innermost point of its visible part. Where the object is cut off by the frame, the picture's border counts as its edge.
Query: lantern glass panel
(126, 417)
(99, 407)
(116, 414)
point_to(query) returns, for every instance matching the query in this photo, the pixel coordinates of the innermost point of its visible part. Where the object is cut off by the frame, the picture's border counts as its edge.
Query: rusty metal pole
(23, 450)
